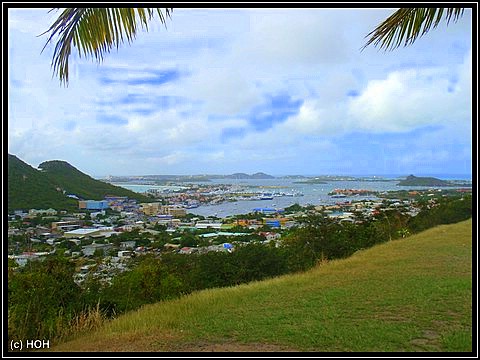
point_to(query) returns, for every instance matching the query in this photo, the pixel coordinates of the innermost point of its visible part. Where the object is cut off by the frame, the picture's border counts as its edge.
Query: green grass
(413, 294)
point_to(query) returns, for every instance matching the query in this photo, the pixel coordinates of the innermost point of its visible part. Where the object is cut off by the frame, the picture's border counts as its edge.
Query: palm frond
(406, 25)
(94, 31)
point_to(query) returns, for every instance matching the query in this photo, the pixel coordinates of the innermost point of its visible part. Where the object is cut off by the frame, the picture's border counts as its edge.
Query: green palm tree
(406, 25)
(94, 31)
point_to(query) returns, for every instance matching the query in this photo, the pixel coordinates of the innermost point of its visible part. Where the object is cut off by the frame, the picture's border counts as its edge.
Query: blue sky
(219, 91)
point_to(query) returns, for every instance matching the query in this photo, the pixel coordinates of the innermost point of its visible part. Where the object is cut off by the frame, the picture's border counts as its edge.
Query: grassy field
(413, 294)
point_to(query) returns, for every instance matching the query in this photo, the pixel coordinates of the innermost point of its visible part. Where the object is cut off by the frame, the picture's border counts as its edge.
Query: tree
(94, 31)
(42, 296)
(406, 25)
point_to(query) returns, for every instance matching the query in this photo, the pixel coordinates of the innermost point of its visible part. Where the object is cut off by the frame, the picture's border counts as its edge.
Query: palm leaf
(94, 31)
(406, 25)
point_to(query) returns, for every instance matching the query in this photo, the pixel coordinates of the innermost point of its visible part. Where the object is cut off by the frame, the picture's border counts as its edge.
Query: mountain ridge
(49, 185)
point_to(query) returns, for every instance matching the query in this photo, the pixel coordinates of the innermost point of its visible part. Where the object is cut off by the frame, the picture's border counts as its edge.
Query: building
(174, 210)
(114, 198)
(151, 208)
(93, 204)
(273, 223)
(247, 222)
(81, 233)
(89, 250)
(130, 244)
(270, 235)
(208, 225)
(268, 210)
(35, 212)
(66, 225)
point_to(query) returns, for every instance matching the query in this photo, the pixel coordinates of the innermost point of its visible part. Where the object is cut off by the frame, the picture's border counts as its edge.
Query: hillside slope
(413, 294)
(412, 180)
(28, 188)
(73, 181)
(31, 188)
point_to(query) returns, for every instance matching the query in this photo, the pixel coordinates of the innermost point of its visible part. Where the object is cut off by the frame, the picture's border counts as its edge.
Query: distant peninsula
(310, 181)
(168, 179)
(258, 175)
(412, 180)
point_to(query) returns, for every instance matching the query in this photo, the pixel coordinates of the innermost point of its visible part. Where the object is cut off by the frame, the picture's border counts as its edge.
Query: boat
(266, 196)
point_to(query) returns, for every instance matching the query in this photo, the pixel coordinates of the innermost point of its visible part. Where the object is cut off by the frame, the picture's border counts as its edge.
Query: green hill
(75, 182)
(47, 188)
(412, 180)
(413, 294)
(28, 188)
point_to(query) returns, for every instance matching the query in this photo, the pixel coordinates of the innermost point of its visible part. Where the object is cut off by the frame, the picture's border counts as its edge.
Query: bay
(313, 194)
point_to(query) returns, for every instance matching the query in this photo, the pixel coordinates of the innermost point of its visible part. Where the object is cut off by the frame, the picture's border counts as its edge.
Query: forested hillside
(76, 182)
(31, 188)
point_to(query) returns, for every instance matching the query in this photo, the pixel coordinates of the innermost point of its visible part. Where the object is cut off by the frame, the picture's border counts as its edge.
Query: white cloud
(293, 39)
(229, 62)
(406, 100)
(223, 89)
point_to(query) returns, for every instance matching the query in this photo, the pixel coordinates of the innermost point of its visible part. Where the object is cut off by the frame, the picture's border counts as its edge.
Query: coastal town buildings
(38, 233)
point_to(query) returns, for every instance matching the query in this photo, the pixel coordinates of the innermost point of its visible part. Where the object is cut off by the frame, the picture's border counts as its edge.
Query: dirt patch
(166, 343)
(121, 343)
(230, 346)
(428, 341)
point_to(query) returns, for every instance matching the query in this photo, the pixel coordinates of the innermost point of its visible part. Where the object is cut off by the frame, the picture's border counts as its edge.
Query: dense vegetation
(28, 188)
(43, 299)
(410, 295)
(75, 182)
(412, 180)
(31, 188)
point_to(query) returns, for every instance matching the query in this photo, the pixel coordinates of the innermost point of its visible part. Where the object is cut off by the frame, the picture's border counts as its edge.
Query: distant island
(412, 180)
(258, 175)
(325, 179)
(311, 181)
(166, 179)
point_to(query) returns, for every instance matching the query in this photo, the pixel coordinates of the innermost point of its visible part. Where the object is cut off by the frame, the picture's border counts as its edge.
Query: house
(98, 213)
(125, 254)
(169, 246)
(89, 250)
(35, 212)
(22, 259)
(208, 225)
(270, 235)
(139, 224)
(130, 244)
(52, 241)
(187, 250)
(75, 241)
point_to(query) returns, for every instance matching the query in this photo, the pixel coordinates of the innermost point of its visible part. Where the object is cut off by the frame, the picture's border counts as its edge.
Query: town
(103, 235)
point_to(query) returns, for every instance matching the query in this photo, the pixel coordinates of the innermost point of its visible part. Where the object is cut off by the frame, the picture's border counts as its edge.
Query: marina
(225, 197)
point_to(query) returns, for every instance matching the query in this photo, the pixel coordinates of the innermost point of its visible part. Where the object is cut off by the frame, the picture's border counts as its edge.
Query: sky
(218, 91)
